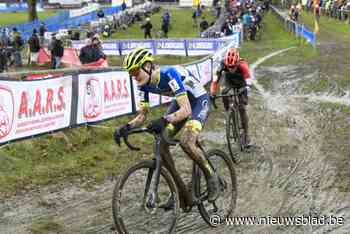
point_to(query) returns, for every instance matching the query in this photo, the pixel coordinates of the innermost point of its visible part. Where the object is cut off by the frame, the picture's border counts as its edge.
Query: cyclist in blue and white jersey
(189, 110)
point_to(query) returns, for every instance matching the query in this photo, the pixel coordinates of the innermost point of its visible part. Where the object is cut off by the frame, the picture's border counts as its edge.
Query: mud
(289, 172)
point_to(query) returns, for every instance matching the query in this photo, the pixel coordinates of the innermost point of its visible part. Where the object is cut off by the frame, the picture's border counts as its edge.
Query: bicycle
(233, 122)
(153, 186)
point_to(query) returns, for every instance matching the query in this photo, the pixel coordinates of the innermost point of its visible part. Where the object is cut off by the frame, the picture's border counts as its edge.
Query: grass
(181, 25)
(89, 153)
(340, 29)
(22, 17)
(46, 226)
(335, 59)
(275, 38)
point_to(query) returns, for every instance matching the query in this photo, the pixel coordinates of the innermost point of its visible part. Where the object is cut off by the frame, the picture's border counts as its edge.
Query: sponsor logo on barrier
(106, 95)
(30, 108)
(170, 45)
(6, 111)
(135, 44)
(110, 46)
(54, 102)
(115, 89)
(92, 99)
(201, 45)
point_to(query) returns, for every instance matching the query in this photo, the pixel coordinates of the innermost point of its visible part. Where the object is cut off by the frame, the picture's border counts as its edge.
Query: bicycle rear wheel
(226, 202)
(130, 196)
(233, 134)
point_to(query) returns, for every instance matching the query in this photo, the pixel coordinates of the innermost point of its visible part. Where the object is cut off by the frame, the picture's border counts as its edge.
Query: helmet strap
(148, 72)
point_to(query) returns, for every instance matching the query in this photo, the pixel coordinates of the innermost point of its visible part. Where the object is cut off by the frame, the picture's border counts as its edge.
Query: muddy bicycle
(141, 194)
(234, 128)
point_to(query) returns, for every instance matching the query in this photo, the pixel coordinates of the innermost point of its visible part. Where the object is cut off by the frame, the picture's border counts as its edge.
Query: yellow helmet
(137, 58)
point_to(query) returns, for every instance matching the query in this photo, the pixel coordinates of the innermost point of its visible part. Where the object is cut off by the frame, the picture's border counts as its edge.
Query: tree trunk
(33, 15)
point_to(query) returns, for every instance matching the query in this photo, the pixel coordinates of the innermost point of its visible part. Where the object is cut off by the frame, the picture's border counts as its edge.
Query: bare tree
(33, 15)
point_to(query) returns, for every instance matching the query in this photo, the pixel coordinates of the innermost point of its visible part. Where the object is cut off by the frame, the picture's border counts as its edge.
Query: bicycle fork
(150, 199)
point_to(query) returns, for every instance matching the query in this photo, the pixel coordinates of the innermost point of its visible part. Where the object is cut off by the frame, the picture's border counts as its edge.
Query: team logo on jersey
(174, 85)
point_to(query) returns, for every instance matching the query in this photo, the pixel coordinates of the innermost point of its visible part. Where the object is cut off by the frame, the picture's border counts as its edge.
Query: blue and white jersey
(172, 81)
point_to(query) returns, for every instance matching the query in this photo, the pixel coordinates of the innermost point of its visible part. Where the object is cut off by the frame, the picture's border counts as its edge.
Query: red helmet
(231, 58)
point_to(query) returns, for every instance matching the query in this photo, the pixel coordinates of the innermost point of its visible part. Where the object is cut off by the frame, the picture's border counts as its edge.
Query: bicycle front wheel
(131, 195)
(233, 135)
(226, 202)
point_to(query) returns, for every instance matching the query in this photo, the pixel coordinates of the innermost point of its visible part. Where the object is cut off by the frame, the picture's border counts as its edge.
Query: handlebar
(161, 135)
(236, 92)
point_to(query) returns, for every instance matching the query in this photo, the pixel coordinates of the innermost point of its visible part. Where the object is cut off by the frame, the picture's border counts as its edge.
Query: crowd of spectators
(335, 9)
(11, 44)
(233, 16)
(338, 9)
(13, 47)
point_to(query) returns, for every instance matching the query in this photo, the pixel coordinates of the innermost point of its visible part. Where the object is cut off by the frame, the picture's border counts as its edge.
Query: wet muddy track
(287, 174)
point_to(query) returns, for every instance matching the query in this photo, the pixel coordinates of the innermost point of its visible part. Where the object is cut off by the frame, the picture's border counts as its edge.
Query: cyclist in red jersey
(234, 72)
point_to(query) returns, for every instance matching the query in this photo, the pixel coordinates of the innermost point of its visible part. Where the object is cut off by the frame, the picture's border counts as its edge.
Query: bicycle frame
(152, 199)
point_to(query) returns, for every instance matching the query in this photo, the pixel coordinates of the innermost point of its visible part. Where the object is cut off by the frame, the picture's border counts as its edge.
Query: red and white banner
(103, 96)
(34, 107)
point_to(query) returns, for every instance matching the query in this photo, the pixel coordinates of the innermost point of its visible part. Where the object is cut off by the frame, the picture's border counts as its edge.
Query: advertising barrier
(42, 105)
(298, 29)
(33, 107)
(184, 47)
(103, 95)
(37, 106)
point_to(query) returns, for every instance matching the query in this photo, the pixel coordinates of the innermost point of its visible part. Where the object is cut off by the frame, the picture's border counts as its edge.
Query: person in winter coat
(17, 43)
(57, 52)
(34, 47)
(147, 27)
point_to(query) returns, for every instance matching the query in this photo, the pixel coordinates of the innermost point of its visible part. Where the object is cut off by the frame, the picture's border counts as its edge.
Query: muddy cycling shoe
(213, 187)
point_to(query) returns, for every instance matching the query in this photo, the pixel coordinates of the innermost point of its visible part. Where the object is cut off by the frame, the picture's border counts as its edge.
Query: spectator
(3, 57)
(56, 52)
(166, 17)
(218, 9)
(123, 6)
(165, 23)
(17, 43)
(34, 47)
(42, 30)
(106, 31)
(4, 37)
(90, 34)
(204, 25)
(100, 14)
(147, 28)
(196, 14)
(233, 19)
(92, 52)
(85, 52)
(165, 29)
